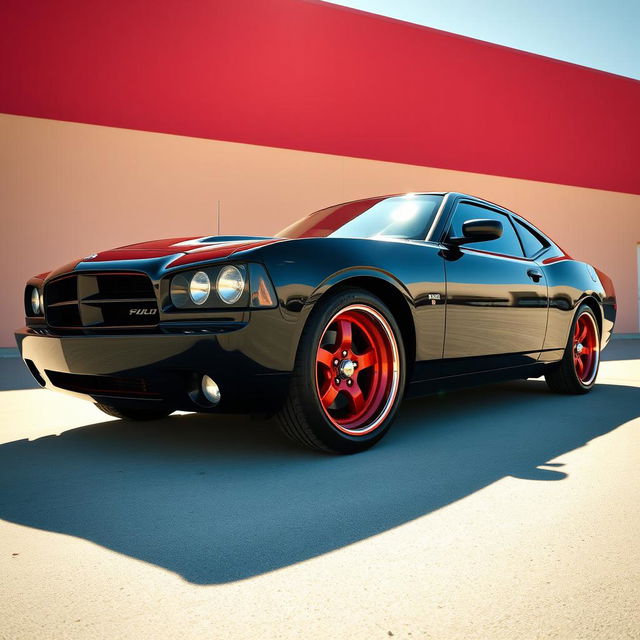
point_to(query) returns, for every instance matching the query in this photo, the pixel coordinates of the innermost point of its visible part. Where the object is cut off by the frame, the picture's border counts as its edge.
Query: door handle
(535, 274)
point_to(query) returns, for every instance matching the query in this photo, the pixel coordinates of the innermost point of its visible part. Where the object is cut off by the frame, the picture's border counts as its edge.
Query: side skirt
(480, 378)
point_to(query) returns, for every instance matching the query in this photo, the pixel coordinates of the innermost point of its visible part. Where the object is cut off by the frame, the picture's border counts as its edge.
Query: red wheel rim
(586, 348)
(357, 372)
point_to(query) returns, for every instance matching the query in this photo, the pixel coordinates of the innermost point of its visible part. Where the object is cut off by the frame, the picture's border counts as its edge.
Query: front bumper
(251, 371)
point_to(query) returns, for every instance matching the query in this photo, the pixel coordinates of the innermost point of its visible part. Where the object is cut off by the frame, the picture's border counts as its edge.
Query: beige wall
(69, 189)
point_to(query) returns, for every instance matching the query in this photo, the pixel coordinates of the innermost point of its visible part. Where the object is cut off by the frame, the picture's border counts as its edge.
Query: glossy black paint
(466, 315)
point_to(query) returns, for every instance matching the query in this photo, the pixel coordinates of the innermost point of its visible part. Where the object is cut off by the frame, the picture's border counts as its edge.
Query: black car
(328, 324)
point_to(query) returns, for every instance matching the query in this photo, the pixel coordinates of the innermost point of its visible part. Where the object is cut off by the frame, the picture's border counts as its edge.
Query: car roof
(426, 193)
(430, 193)
(456, 194)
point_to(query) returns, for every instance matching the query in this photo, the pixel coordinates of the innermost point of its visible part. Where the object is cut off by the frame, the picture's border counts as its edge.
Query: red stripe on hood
(212, 252)
(186, 250)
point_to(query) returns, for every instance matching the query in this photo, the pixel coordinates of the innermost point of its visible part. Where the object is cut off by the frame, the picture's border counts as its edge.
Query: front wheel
(349, 375)
(577, 371)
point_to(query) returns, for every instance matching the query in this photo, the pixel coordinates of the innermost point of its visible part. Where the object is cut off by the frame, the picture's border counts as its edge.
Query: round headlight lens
(36, 301)
(230, 284)
(199, 287)
(179, 291)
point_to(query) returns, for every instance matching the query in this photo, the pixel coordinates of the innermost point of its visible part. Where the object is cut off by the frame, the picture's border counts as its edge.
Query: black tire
(369, 395)
(128, 413)
(567, 377)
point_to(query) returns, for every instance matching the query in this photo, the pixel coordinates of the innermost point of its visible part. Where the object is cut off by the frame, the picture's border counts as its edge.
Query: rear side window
(531, 241)
(507, 244)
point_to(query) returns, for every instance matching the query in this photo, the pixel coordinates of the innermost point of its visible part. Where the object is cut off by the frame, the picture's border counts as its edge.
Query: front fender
(303, 270)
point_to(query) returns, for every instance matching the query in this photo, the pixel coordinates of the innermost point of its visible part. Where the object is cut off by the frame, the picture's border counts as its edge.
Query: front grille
(100, 300)
(102, 385)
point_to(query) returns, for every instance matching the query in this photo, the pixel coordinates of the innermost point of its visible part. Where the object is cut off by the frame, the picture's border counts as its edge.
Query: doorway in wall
(638, 254)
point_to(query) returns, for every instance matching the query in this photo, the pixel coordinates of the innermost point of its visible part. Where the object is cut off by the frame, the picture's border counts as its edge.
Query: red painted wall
(311, 76)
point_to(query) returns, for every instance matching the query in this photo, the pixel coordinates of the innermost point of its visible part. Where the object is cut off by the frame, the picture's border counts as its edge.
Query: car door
(496, 299)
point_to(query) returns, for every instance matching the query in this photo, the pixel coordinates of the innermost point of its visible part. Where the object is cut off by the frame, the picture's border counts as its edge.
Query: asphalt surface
(498, 512)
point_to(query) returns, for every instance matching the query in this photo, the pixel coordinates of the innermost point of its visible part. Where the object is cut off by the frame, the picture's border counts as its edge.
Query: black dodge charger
(328, 324)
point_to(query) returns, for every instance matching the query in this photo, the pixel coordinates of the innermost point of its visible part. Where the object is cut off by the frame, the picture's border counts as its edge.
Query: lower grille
(100, 300)
(102, 385)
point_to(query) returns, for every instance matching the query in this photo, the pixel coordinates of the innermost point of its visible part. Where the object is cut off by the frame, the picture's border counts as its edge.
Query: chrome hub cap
(579, 347)
(347, 368)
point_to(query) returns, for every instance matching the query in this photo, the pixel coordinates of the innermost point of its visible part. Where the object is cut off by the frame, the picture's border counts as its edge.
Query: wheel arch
(596, 307)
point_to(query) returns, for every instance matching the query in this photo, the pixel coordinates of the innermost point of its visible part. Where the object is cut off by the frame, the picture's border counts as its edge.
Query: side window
(507, 244)
(531, 241)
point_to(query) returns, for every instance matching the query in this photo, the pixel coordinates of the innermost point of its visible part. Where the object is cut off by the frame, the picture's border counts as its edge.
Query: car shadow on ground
(224, 498)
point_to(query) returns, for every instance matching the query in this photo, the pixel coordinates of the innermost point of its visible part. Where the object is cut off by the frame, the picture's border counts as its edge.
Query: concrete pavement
(499, 512)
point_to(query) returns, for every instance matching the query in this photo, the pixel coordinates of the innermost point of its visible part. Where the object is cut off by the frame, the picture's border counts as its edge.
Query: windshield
(408, 217)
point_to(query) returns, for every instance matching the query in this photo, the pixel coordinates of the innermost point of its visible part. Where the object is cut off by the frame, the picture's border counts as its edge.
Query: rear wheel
(155, 413)
(349, 375)
(578, 369)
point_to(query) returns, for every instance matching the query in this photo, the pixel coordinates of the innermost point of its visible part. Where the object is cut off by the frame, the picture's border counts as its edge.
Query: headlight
(36, 301)
(230, 284)
(237, 285)
(199, 287)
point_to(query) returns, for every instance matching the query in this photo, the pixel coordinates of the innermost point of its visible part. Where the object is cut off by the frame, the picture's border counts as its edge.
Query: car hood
(185, 250)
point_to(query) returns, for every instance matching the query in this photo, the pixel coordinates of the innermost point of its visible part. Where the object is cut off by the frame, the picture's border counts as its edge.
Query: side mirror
(478, 231)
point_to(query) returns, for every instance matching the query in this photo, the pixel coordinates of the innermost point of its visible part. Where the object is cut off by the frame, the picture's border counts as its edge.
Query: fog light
(210, 390)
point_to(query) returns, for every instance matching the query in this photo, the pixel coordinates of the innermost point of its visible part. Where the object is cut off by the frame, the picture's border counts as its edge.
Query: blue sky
(599, 34)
